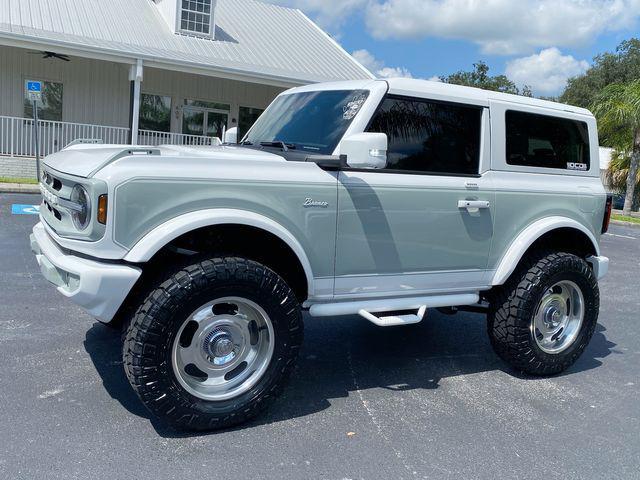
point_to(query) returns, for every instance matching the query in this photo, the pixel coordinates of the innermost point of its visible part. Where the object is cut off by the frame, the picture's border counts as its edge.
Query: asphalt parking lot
(424, 401)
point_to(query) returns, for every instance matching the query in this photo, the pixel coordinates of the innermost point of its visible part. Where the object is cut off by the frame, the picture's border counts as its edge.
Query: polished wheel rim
(223, 348)
(559, 316)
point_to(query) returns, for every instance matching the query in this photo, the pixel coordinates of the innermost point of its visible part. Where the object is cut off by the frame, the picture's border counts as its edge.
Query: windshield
(308, 121)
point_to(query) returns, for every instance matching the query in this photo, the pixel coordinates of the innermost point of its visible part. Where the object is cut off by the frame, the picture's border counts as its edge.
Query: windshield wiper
(246, 142)
(278, 143)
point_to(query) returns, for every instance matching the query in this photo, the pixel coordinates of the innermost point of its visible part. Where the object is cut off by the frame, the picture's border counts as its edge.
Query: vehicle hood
(86, 160)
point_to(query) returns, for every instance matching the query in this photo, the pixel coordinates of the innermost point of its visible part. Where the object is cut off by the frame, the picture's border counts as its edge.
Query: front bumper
(99, 288)
(600, 266)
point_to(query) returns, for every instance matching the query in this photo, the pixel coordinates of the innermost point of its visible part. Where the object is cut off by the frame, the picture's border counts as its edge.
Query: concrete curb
(19, 188)
(625, 224)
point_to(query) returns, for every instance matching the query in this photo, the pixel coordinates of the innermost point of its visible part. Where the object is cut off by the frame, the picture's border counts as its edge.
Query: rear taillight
(607, 213)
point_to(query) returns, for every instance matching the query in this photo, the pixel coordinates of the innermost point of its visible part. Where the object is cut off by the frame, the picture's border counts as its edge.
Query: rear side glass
(544, 141)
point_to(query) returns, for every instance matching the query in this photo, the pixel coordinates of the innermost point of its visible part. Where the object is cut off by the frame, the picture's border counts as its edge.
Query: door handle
(473, 204)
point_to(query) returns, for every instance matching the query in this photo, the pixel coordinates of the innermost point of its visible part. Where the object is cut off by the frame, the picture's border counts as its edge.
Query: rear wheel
(542, 319)
(211, 346)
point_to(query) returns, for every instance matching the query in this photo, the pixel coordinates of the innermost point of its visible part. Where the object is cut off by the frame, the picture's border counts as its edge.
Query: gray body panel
(407, 234)
(144, 204)
(523, 198)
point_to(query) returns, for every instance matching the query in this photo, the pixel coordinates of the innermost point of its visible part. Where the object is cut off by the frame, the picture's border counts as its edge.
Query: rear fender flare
(528, 236)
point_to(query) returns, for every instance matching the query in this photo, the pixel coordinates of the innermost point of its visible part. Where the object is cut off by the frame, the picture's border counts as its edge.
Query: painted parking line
(620, 236)
(20, 209)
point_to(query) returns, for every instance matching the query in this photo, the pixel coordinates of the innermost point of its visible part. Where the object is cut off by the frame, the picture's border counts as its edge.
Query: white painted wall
(98, 92)
(94, 91)
(179, 86)
(605, 159)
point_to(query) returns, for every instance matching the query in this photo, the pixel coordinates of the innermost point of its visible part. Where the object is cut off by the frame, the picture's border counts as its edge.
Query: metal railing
(16, 136)
(153, 138)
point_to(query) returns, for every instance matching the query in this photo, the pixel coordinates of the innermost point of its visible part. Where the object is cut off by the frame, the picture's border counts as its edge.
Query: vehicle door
(424, 224)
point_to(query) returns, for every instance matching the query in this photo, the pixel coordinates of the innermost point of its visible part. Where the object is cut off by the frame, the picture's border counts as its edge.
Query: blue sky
(540, 43)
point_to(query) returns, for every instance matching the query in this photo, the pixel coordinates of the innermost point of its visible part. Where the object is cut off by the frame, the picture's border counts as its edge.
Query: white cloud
(328, 13)
(394, 72)
(545, 72)
(378, 67)
(502, 26)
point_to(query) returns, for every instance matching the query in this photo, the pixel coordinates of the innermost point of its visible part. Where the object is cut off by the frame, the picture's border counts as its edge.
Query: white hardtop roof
(253, 40)
(445, 92)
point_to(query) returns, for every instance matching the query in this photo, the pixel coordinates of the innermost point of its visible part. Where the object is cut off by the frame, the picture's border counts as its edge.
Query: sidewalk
(19, 188)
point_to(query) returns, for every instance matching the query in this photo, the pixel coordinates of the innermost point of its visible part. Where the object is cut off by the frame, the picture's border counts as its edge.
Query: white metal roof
(254, 40)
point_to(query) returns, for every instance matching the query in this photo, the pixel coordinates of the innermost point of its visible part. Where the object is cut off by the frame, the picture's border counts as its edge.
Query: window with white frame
(195, 17)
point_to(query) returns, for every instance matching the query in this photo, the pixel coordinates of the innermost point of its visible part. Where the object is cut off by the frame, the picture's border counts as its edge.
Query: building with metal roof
(154, 71)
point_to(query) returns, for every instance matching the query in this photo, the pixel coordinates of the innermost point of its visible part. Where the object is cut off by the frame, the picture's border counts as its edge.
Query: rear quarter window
(545, 141)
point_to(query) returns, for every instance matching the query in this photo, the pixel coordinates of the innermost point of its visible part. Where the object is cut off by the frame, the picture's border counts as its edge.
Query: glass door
(204, 122)
(193, 121)
(216, 123)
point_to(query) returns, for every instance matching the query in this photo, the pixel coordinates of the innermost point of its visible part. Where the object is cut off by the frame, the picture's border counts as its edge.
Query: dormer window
(195, 17)
(189, 17)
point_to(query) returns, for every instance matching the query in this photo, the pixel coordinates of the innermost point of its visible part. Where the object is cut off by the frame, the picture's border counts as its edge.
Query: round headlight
(81, 217)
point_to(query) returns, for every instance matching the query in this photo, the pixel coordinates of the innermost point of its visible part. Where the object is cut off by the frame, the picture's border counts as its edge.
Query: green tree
(479, 77)
(621, 66)
(617, 109)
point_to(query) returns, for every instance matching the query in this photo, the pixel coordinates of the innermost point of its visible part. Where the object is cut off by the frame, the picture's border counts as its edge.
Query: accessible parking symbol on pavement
(19, 209)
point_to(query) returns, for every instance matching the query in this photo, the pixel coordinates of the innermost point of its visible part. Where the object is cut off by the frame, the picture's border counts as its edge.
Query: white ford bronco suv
(377, 198)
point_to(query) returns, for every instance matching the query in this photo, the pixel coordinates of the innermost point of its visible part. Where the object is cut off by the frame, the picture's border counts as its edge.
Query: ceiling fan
(47, 54)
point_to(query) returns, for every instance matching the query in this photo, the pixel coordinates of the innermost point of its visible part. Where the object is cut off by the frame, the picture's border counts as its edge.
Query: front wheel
(211, 346)
(543, 318)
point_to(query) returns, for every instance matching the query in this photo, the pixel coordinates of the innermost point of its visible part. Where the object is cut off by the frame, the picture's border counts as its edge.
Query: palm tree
(617, 109)
(618, 172)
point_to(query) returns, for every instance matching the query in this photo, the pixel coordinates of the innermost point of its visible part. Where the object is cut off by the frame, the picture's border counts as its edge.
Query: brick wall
(17, 167)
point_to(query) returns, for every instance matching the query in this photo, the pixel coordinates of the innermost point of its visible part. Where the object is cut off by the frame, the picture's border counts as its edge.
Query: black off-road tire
(149, 338)
(513, 306)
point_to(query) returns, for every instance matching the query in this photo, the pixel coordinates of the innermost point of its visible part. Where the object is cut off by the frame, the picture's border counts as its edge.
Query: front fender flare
(161, 235)
(528, 236)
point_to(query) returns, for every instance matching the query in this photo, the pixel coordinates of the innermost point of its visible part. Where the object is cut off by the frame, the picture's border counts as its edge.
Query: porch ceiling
(254, 41)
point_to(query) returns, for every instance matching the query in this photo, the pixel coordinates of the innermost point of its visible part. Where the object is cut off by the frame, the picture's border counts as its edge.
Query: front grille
(55, 211)
(51, 181)
(53, 188)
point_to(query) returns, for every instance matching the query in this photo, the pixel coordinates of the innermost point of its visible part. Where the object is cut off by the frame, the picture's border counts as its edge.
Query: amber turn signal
(102, 209)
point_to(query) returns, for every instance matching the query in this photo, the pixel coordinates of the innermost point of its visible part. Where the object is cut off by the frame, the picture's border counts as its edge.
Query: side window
(543, 141)
(430, 137)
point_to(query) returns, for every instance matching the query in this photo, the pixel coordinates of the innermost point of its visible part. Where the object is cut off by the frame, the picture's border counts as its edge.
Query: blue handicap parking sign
(34, 86)
(18, 209)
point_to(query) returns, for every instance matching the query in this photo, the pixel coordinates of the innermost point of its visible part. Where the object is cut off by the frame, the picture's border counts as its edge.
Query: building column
(135, 77)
